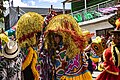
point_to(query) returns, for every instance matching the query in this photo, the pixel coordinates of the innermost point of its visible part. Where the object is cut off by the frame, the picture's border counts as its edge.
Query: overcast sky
(41, 3)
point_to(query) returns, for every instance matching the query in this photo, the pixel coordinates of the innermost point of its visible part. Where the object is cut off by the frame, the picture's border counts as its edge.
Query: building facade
(14, 14)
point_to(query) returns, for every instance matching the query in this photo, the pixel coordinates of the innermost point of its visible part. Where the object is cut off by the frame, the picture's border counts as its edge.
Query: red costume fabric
(111, 61)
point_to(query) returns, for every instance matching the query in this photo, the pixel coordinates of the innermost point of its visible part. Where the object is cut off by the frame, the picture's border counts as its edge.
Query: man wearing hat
(10, 64)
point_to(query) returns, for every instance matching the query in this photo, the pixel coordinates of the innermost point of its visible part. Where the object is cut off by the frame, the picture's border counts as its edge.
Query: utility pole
(85, 5)
(63, 7)
(51, 7)
(18, 10)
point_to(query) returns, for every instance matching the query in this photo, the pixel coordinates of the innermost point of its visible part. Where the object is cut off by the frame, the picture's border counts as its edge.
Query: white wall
(92, 26)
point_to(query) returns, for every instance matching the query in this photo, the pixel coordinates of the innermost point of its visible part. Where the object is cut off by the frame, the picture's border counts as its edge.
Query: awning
(68, 1)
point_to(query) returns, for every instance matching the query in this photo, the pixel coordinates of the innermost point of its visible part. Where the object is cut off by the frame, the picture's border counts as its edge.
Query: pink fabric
(93, 65)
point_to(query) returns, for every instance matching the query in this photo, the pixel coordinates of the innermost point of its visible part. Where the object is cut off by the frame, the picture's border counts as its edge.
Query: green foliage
(2, 9)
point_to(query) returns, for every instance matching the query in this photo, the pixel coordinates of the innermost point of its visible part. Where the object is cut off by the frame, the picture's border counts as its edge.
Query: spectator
(111, 57)
(10, 64)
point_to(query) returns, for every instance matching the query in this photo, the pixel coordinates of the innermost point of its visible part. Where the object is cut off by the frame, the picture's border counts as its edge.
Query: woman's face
(57, 39)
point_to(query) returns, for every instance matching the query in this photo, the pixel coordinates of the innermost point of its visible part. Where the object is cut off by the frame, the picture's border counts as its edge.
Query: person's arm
(3, 72)
(87, 48)
(19, 65)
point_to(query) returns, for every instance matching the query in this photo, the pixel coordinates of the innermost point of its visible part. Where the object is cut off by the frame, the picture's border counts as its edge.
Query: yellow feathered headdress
(66, 26)
(28, 25)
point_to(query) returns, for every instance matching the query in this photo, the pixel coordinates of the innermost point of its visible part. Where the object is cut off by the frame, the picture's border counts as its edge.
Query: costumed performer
(111, 57)
(11, 63)
(65, 45)
(88, 50)
(45, 67)
(98, 46)
(28, 32)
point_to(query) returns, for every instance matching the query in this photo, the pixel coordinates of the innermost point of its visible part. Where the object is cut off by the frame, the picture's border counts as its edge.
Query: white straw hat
(10, 49)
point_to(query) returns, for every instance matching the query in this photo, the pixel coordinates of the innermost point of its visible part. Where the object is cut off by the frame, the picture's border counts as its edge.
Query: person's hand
(101, 67)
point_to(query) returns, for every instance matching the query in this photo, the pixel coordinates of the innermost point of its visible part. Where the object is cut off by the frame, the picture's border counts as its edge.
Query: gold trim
(104, 55)
(31, 57)
(118, 55)
(28, 59)
(115, 73)
(112, 54)
(33, 66)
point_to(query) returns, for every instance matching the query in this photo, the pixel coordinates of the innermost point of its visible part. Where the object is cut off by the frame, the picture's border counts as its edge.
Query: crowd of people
(56, 48)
